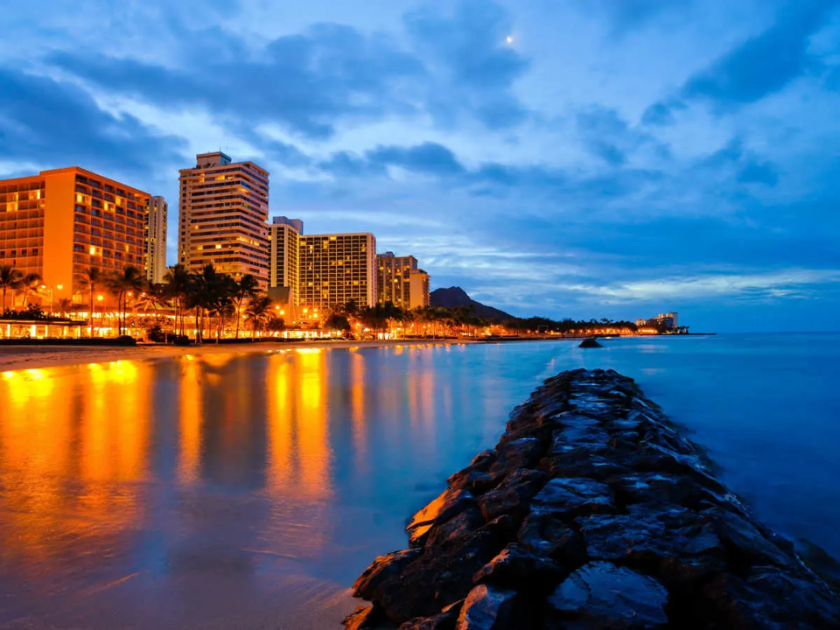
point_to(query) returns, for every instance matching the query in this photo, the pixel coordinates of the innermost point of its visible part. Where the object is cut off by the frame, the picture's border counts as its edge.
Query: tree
(257, 312)
(91, 279)
(177, 288)
(122, 284)
(65, 306)
(10, 280)
(337, 322)
(30, 284)
(245, 289)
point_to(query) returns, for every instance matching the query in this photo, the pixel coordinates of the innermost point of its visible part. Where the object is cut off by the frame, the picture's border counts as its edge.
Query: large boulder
(513, 495)
(601, 595)
(450, 502)
(516, 567)
(488, 608)
(573, 497)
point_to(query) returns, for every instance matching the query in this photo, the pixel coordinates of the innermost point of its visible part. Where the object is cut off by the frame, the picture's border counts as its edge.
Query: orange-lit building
(223, 210)
(60, 222)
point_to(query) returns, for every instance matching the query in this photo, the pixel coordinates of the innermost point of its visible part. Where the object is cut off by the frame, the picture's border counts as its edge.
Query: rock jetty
(593, 511)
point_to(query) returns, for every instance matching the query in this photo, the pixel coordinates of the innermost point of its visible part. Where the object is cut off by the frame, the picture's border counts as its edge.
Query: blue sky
(580, 158)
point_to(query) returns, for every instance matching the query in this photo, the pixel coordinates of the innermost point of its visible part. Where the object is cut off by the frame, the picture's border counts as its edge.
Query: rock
(383, 569)
(569, 498)
(488, 608)
(363, 618)
(658, 488)
(513, 495)
(437, 579)
(602, 595)
(457, 528)
(444, 621)
(543, 535)
(472, 480)
(590, 342)
(583, 462)
(515, 567)
(768, 598)
(448, 504)
(521, 453)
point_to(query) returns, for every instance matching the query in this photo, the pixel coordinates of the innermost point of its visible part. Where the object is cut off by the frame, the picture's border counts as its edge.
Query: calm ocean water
(249, 491)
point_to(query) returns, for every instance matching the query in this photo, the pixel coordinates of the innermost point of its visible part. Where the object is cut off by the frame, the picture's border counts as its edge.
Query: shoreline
(592, 511)
(27, 357)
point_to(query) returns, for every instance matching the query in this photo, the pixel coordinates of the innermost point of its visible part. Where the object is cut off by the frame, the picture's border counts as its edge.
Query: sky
(566, 158)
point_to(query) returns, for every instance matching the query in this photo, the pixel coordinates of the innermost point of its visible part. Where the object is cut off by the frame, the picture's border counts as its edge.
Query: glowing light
(99, 297)
(509, 39)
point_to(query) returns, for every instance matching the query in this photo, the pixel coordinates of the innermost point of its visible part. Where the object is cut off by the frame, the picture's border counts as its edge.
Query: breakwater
(593, 511)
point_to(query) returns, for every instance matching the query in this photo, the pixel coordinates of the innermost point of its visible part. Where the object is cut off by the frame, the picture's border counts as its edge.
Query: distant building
(321, 270)
(61, 222)
(418, 289)
(399, 281)
(667, 321)
(223, 210)
(155, 239)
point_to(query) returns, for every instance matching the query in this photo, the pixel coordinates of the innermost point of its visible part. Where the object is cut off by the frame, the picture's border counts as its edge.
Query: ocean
(249, 490)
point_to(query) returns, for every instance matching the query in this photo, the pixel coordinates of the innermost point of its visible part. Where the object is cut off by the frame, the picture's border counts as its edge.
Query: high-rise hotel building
(331, 269)
(399, 281)
(223, 210)
(155, 239)
(61, 222)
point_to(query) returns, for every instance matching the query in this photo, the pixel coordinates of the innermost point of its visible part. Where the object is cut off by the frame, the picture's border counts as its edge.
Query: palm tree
(177, 287)
(257, 311)
(246, 288)
(10, 280)
(31, 283)
(65, 306)
(92, 278)
(122, 283)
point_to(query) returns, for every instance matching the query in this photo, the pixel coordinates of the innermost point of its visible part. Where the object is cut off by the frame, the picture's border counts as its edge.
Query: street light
(44, 286)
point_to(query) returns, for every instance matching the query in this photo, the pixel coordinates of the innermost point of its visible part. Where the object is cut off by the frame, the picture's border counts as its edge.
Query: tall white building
(154, 253)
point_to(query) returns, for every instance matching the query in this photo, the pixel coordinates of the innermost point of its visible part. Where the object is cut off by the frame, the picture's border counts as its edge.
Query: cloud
(759, 173)
(756, 68)
(58, 124)
(307, 82)
(477, 69)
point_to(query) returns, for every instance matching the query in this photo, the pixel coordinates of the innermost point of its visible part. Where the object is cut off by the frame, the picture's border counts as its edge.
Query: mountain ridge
(454, 297)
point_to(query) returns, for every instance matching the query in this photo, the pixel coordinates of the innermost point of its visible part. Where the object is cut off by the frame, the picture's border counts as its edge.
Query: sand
(39, 357)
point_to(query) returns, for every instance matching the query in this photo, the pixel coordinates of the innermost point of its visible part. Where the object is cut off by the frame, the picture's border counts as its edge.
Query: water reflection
(227, 489)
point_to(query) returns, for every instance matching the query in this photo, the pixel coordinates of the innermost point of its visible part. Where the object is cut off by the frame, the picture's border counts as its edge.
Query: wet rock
(513, 495)
(516, 567)
(475, 481)
(768, 598)
(521, 453)
(455, 529)
(363, 618)
(445, 620)
(590, 342)
(746, 543)
(383, 569)
(658, 488)
(602, 595)
(544, 535)
(450, 503)
(488, 608)
(437, 579)
(569, 498)
(583, 462)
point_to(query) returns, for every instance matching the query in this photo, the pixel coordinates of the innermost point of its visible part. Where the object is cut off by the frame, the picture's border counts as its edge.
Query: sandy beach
(39, 357)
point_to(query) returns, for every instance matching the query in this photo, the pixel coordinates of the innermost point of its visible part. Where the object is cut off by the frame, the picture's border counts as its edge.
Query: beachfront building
(418, 289)
(663, 321)
(399, 281)
(318, 271)
(155, 239)
(335, 269)
(223, 209)
(60, 222)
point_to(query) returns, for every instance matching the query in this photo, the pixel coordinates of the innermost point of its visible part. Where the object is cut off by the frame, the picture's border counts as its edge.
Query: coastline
(24, 357)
